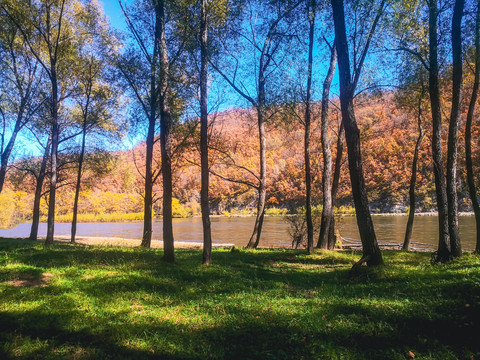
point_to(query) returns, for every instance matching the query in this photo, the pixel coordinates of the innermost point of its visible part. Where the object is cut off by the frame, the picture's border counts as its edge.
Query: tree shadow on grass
(345, 322)
(351, 331)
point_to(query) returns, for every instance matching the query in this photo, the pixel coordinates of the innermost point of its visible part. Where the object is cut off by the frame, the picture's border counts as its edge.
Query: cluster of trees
(65, 74)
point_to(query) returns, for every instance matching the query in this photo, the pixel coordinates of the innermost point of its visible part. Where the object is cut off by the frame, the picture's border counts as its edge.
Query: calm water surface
(237, 230)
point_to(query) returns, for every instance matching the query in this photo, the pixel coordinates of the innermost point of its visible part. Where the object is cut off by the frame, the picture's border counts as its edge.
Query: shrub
(274, 211)
(7, 209)
(178, 210)
(298, 225)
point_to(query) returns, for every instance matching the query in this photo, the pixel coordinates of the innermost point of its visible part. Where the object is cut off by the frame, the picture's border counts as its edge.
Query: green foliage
(101, 217)
(7, 210)
(180, 211)
(236, 211)
(14, 208)
(73, 301)
(274, 211)
(344, 210)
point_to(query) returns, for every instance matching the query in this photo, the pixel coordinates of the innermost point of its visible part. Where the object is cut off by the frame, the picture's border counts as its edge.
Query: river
(237, 230)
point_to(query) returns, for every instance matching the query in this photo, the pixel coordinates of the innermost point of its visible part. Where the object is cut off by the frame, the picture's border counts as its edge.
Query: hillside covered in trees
(388, 134)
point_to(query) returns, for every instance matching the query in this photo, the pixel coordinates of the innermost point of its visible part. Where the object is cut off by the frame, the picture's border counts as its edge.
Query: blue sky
(114, 12)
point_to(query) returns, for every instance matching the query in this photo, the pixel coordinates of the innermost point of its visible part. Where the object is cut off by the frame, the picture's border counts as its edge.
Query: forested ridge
(388, 135)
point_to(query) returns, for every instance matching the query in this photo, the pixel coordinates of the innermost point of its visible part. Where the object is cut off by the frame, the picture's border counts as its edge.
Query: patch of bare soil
(28, 280)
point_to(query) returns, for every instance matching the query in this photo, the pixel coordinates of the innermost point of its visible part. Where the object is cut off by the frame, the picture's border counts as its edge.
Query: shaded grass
(125, 303)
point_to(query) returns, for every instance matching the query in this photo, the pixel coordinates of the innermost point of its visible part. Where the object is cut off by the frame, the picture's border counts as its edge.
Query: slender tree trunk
(413, 179)
(308, 173)
(38, 192)
(166, 150)
(327, 211)
(77, 186)
(336, 182)
(371, 250)
(262, 188)
(204, 199)
(468, 130)
(150, 141)
(165, 140)
(53, 162)
(8, 149)
(452, 152)
(443, 253)
(148, 196)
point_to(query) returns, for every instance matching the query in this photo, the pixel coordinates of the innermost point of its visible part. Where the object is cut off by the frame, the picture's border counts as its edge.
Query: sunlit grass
(110, 302)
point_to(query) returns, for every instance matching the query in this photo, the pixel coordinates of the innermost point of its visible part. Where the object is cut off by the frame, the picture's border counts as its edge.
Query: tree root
(438, 258)
(356, 267)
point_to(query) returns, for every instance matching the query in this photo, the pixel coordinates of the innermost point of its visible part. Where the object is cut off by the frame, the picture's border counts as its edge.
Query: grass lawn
(79, 302)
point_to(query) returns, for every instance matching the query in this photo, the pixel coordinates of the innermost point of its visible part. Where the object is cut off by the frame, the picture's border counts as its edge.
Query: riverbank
(94, 302)
(136, 217)
(123, 242)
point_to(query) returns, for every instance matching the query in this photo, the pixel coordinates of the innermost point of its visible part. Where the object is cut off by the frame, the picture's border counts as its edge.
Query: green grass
(125, 303)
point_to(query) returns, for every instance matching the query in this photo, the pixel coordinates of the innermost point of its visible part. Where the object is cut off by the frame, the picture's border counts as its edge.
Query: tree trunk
(148, 196)
(327, 211)
(165, 139)
(308, 175)
(150, 141)
(77, 186)
(468, 130)
(443, 253)
(53, 162)
(8, 149)
(204, 199)
(38, 192)
(262, 189)
(413, 179)
(452, 152)
(336, 181)
(371, 251)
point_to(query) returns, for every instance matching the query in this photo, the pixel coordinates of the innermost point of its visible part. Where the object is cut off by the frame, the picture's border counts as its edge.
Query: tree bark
(148, 196)
(308, 173)
(468, 130)
(327, 211)
(262, 188)
(413, 179)
(79, 180)
(152, 119)
(443, 252)
(204, 198)
(371, 250)
(8, 149)
(165, 139)
(336, 182)
(54, 154)
(38, 192)
(452, 152)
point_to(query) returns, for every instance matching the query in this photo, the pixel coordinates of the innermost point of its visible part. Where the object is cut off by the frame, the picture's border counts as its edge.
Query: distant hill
(388, 134)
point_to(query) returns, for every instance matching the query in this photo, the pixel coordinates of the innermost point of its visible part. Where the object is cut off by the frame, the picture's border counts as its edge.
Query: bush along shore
(89, 302)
